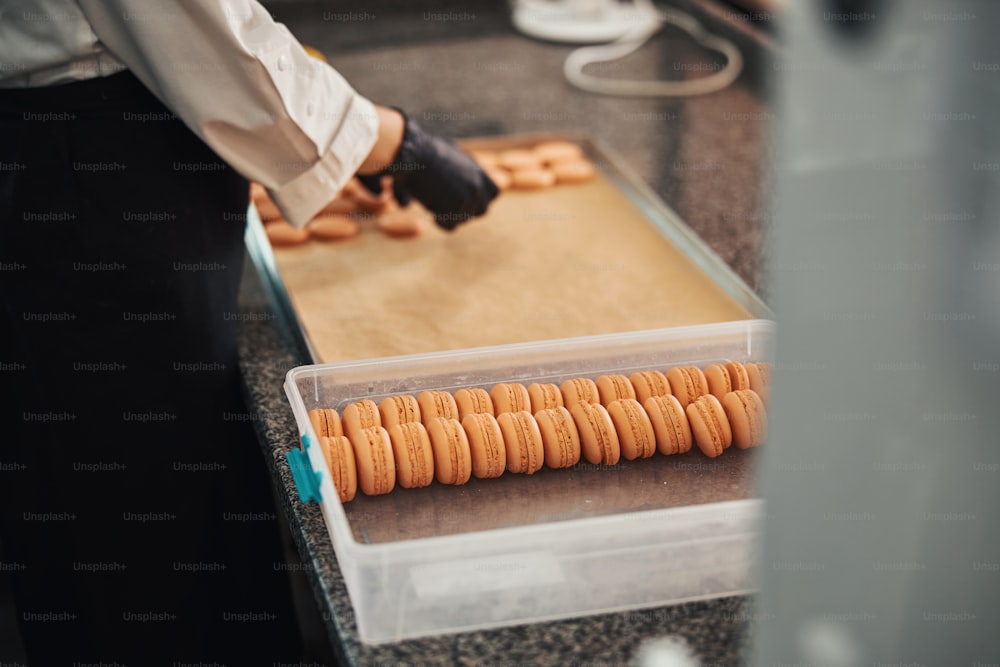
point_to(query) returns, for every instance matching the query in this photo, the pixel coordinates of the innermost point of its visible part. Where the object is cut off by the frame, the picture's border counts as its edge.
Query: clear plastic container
(559, 543)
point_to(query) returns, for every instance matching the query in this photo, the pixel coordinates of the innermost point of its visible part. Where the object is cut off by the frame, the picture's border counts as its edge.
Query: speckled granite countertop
(702, 156)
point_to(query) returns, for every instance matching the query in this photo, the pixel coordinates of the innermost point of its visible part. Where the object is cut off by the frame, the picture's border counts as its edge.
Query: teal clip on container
(306, 479)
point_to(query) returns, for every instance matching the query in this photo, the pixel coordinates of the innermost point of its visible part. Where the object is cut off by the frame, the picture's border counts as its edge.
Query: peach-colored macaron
(452, 457)
(709, 425)
(333, 227)
(560, 437)
(611, 388)
(557, 150)
(486, 445)
(572, 171)
(401, 409)
(510, 397)
(544, 396)
(649, 383)
(532, 179)
(719, 382)
(326, 422)
(375, 460)
(360, 415)
(402, 223)
(598, 438)
(473, 401)
(738, 375)
(436, 404)
(411, 447)
(339, 457)
(747, 417)
(340, 205)
(670, 424)
(518, 159)
(687, 383)
(283, 234)
(635, 432)
(759, 376)
(522, 441)
(577, 390)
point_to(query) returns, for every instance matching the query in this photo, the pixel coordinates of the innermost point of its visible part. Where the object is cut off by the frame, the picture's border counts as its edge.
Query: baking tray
(601, 257)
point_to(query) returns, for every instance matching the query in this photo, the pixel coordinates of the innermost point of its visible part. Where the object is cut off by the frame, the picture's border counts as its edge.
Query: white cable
(632, 41)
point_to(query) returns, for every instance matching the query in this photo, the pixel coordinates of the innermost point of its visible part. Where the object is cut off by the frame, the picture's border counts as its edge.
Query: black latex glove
(448, 182)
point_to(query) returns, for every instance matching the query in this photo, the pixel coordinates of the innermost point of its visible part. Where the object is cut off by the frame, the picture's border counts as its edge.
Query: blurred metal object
(882, 474)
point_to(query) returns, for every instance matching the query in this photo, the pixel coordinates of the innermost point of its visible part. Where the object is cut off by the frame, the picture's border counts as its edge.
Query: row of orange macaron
(436, 434)
(342, 218)
(548, 163)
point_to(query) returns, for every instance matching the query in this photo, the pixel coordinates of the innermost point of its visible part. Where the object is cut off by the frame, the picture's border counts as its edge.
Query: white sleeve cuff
(301, 198)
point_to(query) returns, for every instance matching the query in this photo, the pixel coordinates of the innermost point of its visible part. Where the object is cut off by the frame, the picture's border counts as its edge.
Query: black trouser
(138, 520)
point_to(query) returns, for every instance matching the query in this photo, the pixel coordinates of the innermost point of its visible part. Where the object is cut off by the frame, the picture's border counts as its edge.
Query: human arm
(245, 85)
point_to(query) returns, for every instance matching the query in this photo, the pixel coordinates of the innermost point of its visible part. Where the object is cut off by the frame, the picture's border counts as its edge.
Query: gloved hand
(448, 182)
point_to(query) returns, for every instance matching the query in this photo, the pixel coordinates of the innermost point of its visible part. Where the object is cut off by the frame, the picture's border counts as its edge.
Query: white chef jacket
(237, 78)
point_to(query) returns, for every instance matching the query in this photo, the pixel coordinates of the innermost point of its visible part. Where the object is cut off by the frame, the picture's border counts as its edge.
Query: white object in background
(579, 21)
(669, 651)
(634, 40)
(621, 29)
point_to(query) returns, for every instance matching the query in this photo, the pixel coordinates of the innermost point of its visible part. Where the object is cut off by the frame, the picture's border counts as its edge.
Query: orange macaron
(557, 150)
(452, 457)
(598, 438)
(360, 415)
(747, 417)
(374, 457)
(510, 397)
(738, 375)
(401, 409)
(522, 442)
(544, 396)
(326, 422)
(709, 425)
(436, 404)
(339, 456)
(333, 227)
(411, 447)
(719, 381)
(486, 445)
(579, 390)
(572, 171)
(670, 424)
(649, 383)
(687, 383)
(759, 376)
(473, 401)
(611, 388)
(635, 432)
(281, 234)
(560, 437)
(532, 179)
